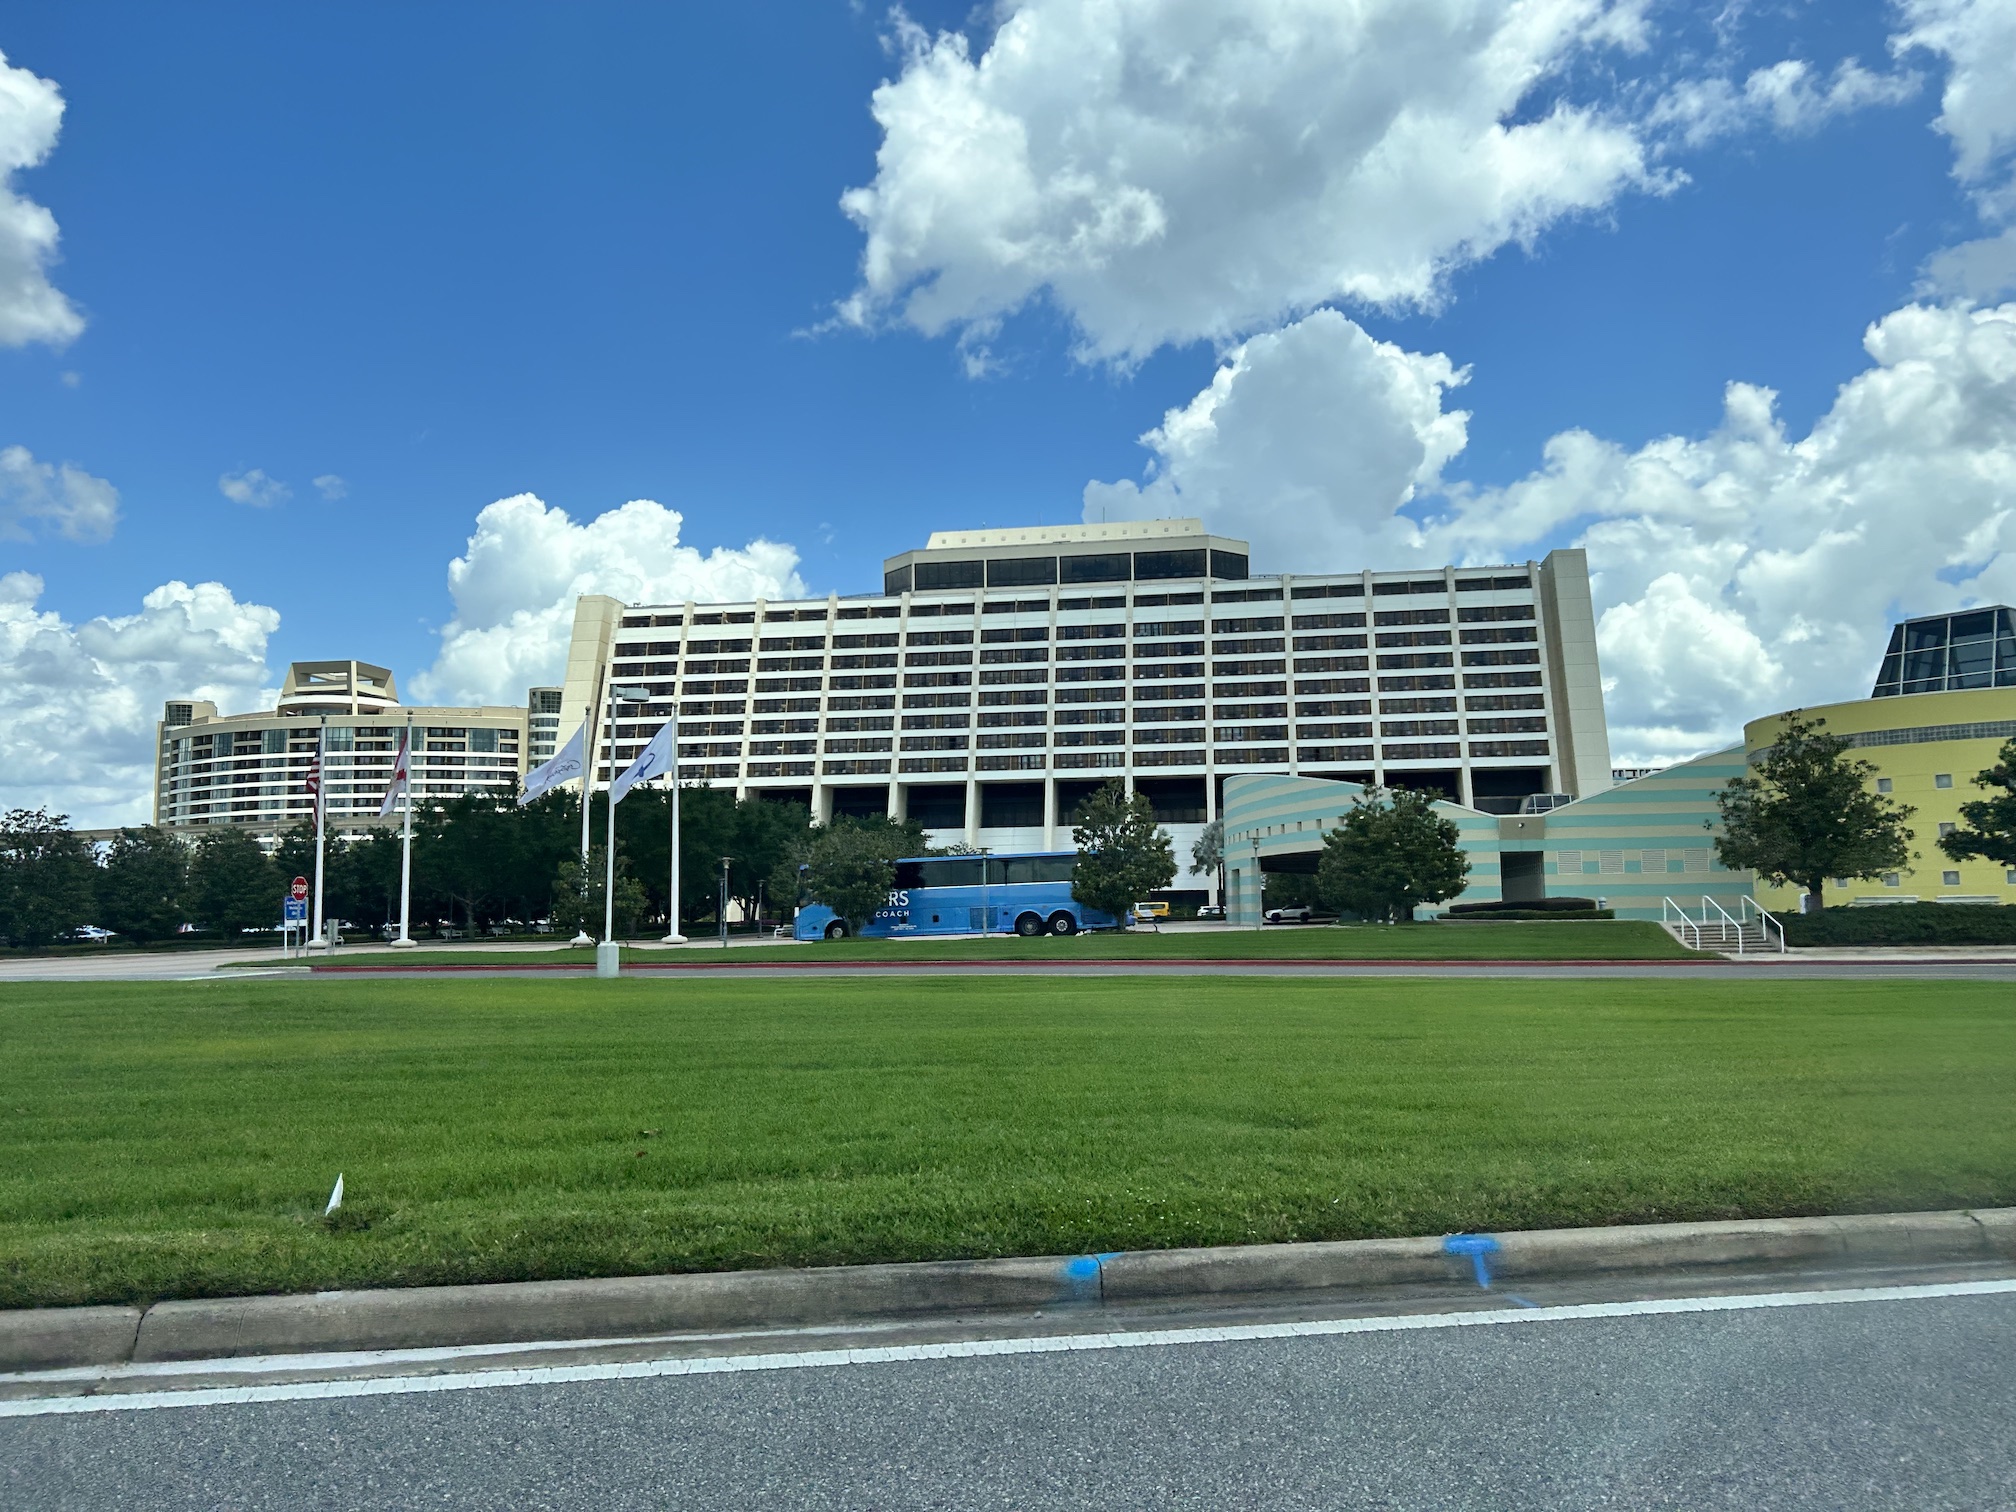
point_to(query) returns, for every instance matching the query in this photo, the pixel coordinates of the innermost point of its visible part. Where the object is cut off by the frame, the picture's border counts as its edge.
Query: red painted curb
(832, 966)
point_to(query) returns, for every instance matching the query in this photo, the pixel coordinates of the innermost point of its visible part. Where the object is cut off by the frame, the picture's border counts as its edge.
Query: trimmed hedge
(1538, 908)
(1905, 924)
(1550, 915)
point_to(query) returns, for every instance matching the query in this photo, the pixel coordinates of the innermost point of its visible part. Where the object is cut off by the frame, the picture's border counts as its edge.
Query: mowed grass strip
(1568, 940)
(179, 1139)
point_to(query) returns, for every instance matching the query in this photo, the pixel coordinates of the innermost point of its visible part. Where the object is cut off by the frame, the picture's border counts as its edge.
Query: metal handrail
(1722, 925)
(1766, 921)
(1684, 928)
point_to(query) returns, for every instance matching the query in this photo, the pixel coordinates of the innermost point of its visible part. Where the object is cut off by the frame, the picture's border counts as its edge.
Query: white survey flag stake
(565, 766)
(653, 760)
(402, 773)
(335, 1196)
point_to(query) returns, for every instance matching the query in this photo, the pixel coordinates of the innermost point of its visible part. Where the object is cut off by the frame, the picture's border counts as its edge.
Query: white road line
(553, 1375)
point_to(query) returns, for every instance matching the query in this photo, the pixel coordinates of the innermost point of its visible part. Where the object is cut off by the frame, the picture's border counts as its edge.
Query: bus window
(955, 871)
(1031, 869)
(909, 874)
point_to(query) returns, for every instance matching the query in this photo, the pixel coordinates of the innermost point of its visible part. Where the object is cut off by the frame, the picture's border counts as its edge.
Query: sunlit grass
(179, 1139)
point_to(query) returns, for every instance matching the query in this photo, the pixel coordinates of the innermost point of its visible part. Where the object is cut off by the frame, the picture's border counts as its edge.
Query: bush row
(1905, 924)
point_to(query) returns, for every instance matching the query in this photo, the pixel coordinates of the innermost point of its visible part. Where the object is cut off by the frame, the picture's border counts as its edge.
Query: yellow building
(1945, 702)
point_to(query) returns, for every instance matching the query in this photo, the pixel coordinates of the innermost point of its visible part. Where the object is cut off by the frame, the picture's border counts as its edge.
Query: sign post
(293, 916)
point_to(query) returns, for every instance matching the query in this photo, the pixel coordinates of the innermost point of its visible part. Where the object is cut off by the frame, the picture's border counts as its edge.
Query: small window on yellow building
(1949, 879)
(1943, 780)
(1882, 784)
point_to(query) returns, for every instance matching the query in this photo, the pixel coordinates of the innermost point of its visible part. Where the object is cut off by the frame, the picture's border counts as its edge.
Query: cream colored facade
(1004, 674)
(251, 770)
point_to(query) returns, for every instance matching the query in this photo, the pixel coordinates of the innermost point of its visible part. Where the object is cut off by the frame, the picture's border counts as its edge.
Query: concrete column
(899, 799)
(1049, 812)
(822, 802)
(972, 811)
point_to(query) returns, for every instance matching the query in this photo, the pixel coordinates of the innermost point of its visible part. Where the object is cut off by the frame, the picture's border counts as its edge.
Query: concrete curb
(634, 1306)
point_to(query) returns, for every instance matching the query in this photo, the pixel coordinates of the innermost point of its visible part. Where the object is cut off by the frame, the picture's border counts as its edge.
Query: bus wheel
(1029, 924)
(1063, 924)
(837, 930)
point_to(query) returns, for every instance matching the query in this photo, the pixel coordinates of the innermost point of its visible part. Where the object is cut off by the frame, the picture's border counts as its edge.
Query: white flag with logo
(564, 767)
(402, 774)
(654, 760)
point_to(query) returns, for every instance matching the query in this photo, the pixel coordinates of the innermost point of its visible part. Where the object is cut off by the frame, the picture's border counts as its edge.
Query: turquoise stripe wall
(1634, 845)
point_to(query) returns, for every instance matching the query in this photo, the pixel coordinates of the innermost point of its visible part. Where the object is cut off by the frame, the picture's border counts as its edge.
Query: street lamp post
(722, 910)
(608, 955)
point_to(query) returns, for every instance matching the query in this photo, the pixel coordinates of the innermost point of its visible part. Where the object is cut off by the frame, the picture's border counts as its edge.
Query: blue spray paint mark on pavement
(1476, 1246)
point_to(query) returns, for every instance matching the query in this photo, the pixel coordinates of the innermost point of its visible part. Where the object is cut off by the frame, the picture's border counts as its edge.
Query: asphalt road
(1887, 1403)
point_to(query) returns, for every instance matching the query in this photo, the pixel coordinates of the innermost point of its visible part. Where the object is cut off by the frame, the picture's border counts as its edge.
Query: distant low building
(251, 770)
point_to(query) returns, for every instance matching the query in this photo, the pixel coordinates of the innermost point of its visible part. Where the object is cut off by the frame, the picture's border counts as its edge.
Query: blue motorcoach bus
(1025, 894)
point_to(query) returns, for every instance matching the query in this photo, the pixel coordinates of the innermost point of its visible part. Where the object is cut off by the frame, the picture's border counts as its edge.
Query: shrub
(1540, 907)
(1905, 924)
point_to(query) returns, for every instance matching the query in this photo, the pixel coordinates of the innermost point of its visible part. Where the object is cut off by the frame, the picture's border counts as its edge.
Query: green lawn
(178, 1139)
(1591, 940)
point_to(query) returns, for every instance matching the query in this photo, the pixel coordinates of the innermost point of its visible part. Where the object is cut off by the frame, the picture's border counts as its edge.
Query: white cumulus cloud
(66, 500)
(514, 588)
(1307, 443)
(1169, 170)
(31, 308)
(1746, 569)
(1977, 113)
(78, 703)
(331, 487)
(1735, 572)
(254, 487)
(1788, 97)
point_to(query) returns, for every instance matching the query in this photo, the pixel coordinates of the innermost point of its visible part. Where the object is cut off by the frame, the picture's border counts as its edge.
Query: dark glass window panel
(909, 874)
(2006, 622)
(896, 582)
(1021, 572)
(948, 575)
(1892, 670)
(2005, 655)
(1896, 639)
(1925, 635)
(1168, 564)
(1925, 667)
(960, 871)
(1107, 567)
(1010, 805)
(1973, 663)
(1977, 625)
(1228, 564)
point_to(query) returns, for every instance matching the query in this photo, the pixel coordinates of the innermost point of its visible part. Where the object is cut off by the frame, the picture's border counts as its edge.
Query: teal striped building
(1633, 845)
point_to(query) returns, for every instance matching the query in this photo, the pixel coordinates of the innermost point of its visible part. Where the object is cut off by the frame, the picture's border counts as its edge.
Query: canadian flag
(402, 773)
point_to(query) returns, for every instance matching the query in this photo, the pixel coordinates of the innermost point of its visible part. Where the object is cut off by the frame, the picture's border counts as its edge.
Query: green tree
(1123, 854)
(142, 882)
(578, 893)
(1990, 830)
(1809, 812)
(48, 879)
(232, 885)
(850, 865)
(1391, 854)
(1208, 854)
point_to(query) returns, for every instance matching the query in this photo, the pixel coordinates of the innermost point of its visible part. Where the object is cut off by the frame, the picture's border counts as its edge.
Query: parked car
(1211, 910)
(92, 933)
(1294, 913)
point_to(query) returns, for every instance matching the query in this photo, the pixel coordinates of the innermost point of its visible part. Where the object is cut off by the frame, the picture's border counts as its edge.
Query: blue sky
(594, 253)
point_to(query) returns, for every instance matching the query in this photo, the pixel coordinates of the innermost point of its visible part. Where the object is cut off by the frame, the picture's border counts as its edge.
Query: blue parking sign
(296, 910)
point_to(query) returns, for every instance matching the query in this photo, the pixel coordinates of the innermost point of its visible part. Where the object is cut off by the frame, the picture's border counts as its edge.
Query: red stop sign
(299, 887)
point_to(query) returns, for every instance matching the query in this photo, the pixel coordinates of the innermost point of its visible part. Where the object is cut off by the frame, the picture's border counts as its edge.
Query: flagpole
(673, 937)
(609, 846)
(406, 847)
(590, 727)
(321, 786)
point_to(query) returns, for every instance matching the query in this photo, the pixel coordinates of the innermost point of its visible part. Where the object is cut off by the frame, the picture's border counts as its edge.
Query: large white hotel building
(1002, 675)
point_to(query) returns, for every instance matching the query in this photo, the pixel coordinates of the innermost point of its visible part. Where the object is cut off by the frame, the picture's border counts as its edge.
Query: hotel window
(1943, 780)
(1882, 784)
(1949, 879)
